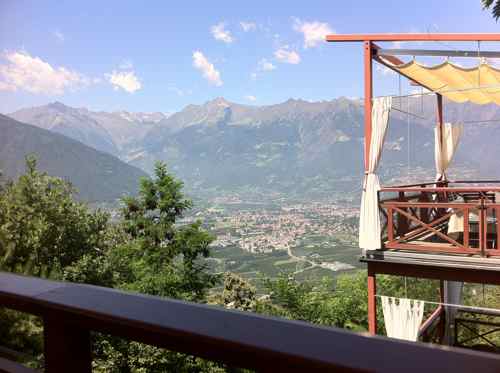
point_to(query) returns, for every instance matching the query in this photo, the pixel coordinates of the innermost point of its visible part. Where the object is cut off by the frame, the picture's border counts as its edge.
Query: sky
(164, 55)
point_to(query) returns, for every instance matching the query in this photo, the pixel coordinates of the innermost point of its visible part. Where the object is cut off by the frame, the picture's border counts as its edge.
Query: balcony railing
(453, 217)
(71, 311)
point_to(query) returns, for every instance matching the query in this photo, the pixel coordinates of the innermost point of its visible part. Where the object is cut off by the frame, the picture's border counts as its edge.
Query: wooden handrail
(410, 199)
(241, 339)
(436, 204)
(441, 189)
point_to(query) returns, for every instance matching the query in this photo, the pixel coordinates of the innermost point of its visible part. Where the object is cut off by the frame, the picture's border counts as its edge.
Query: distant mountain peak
(58, 105)
(219, 101)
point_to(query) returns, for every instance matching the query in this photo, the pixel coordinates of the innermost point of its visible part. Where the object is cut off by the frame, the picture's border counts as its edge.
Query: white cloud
(250, 98)
(126, 80)
(32, 74)
(262, 66)
(220, 33)
(265, 65)
(59, 36)
(208, 69)
(314, 32)
(248, 26)
(284, 54)
(126, 65)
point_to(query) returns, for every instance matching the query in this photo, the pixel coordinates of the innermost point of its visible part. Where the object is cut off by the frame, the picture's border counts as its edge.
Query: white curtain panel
(369, 216)
(445, 150)
(402, 320)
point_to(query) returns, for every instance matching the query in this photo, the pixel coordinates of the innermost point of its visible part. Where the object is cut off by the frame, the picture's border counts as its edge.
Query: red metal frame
(369, 48)
(413, 37)
(368, 54)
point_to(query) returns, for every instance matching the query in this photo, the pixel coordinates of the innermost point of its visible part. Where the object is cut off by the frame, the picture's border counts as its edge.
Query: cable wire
(462, 306)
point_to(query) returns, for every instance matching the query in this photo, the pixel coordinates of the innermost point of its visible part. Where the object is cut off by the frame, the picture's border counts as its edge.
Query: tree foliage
(153, 249)
(153, 253)
(42, 228)
(494, 5)
(45, 232)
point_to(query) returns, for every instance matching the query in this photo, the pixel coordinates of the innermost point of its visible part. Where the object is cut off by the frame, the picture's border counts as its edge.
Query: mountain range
(225, 144)
(108, 132)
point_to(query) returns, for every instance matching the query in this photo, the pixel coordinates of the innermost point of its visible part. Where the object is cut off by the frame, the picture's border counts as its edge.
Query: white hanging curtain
(445, 150)
(402, 320)
(369, 217)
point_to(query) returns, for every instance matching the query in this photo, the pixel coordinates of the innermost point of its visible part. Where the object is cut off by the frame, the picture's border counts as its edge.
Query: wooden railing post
(372, 301)
(424, 212)
(402, 227)
(390, 224)
(67, 347)
(466, 227)
(483, 242)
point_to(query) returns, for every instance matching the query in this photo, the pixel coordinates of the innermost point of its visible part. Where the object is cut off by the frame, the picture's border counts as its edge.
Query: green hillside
(97, 175)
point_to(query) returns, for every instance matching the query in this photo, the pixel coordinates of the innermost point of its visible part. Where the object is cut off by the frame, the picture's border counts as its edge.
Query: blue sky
(164, 55)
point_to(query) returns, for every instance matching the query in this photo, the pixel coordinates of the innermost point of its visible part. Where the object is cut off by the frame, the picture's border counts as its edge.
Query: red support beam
(368, 55)
(372, 302)
(440, 121)
(412, 37)
(479, 275)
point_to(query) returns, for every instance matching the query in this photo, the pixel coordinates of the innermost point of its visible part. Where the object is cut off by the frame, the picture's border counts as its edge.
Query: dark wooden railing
(417, 217)
(71, 311)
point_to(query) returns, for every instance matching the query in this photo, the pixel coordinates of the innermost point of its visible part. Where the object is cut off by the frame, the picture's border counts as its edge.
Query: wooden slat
(417, 231)
(431, 248)
(442, 235)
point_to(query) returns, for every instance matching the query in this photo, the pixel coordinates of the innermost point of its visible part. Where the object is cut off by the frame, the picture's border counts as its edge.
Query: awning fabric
(480, 84)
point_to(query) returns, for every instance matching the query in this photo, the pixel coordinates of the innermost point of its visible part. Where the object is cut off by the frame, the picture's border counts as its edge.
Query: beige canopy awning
(480, 84)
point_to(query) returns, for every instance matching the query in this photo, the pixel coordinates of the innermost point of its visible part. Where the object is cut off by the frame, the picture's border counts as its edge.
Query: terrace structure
(438, 229)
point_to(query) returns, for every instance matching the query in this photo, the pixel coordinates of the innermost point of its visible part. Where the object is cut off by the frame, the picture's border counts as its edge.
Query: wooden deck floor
(434, 260)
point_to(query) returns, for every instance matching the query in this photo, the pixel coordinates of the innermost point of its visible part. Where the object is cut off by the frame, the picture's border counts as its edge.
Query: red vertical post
(466, 227)
(368, 54)
(440, 122)
(497, 215)
(372, 301)
(483, 224)
(439, 126)
(390, 224)
(440, 114)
